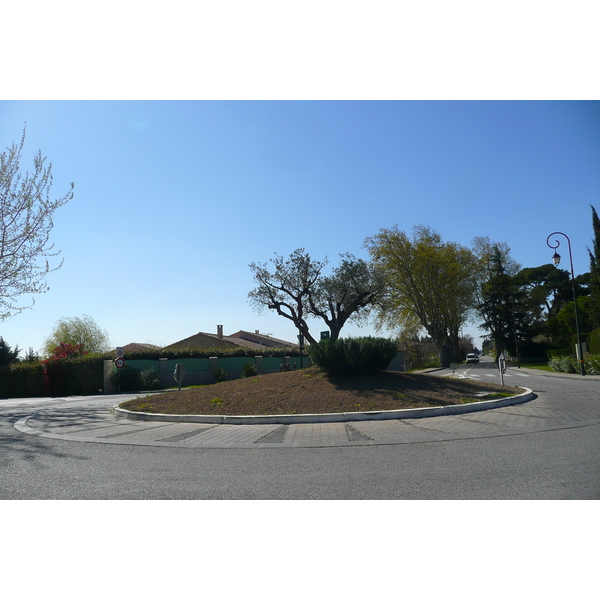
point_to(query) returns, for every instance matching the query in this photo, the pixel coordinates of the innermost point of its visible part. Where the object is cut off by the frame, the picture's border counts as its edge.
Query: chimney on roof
(220, 331)
(257, 332)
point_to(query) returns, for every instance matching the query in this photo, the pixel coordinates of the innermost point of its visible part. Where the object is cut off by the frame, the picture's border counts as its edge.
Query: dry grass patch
(310, 391)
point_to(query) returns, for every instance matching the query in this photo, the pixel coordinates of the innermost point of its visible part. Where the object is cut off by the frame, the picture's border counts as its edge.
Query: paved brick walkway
(101, 426)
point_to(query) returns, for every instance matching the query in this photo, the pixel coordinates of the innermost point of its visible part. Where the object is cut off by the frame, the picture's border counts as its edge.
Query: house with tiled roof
(256, 341)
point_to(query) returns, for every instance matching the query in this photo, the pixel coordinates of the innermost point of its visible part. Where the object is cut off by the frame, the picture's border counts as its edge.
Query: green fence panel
(272, 363)
(234, 363)
(191, 364)
(140, 364)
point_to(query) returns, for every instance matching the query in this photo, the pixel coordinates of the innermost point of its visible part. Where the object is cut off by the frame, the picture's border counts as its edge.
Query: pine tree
(7, 355)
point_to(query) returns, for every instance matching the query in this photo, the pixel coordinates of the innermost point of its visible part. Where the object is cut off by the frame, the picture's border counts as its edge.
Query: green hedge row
(79, 376)
(22, 380)
(201, 352)
(350, 357)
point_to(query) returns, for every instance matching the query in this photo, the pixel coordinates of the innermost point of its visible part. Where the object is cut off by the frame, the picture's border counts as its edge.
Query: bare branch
(26, 211)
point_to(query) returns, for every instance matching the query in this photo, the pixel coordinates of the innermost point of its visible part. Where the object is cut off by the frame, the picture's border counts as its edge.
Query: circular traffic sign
(120, 363)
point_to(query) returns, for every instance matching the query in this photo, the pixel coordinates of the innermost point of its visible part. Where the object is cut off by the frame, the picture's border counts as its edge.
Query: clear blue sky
(173, 199)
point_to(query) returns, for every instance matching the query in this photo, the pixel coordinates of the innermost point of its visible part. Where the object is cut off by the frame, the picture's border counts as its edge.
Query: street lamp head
(556, 259)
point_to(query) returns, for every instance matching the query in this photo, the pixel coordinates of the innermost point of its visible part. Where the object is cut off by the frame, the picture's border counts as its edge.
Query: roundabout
(520, 414)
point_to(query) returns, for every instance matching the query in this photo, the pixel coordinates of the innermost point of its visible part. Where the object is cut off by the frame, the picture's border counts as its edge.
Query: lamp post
(556, 260)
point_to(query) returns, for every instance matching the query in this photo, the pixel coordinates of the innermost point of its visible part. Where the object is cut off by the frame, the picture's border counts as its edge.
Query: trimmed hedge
(594, 342)
(84, 375)
(350, 357)
(77, 376)
(201, 352)
(22, 380)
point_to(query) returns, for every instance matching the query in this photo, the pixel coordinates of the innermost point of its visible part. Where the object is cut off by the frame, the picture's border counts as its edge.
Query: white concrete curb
(410, 413)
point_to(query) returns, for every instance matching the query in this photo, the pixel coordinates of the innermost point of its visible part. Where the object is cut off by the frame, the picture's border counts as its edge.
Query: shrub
(220, 375)
(569, 364)
(565, 364)
(594, 342)
(592, 364)
(353, 356)
(149, 379)
(250, 370)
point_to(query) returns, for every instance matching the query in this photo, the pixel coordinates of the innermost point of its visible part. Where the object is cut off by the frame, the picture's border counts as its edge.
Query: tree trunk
(446, 351)
(444, 346)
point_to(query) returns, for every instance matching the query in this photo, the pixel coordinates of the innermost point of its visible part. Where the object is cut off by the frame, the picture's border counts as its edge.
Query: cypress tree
(595, 271)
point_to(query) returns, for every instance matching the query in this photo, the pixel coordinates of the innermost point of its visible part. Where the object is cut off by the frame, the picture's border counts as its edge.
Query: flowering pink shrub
(64, 350)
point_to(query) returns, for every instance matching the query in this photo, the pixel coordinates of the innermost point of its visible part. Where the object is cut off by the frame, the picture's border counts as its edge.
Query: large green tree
(547, 288)
(78, 331)
(298, 290)
(26, 212)
(428, 280)
(561, 327)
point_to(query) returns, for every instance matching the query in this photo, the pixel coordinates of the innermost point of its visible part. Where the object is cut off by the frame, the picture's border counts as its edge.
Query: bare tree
(26, 212)
(296, 289)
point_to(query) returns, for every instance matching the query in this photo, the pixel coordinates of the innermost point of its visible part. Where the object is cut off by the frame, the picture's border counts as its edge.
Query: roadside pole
(502, 367)
(120, 363)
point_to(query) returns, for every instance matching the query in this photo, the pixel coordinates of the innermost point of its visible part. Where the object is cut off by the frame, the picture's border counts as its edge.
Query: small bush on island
(351, 357)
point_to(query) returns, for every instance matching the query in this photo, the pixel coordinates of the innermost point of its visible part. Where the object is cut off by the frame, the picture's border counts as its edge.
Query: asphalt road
(555, 461)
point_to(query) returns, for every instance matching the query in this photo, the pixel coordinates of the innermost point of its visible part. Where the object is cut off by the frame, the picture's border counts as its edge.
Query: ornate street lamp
(556, 261)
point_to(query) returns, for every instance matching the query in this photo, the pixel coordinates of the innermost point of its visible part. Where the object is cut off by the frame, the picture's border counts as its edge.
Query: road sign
(120, 353)
(120, 363)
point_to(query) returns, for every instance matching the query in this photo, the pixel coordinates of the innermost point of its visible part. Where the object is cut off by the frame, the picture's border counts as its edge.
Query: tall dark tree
(497, 303)
(7, 355)
(496, 294)
(594, 278)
